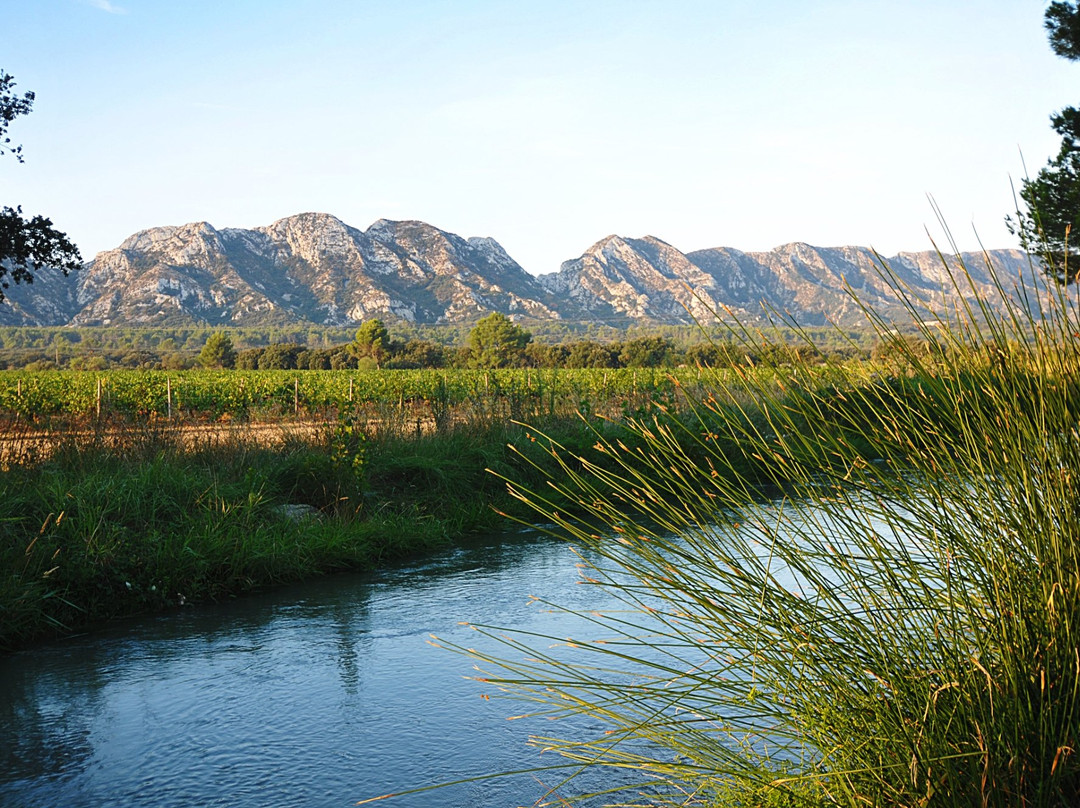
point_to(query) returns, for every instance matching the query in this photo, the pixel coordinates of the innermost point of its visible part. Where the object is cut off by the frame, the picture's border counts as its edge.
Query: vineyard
(149, 395)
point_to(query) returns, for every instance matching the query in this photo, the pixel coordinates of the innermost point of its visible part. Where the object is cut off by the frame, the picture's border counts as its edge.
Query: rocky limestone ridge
(629, 280)
(306, 268)
(635, 279)
(314, 268)
(815, 286)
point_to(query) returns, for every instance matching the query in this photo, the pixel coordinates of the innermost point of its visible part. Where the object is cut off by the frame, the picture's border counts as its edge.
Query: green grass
(111, 536)
(108, 526)
(837, 588)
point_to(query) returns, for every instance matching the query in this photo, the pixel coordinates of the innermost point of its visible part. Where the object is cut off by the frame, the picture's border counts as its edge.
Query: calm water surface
(317, 695)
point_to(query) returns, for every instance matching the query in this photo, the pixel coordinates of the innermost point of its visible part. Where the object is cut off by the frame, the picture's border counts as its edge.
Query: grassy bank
(104, 528)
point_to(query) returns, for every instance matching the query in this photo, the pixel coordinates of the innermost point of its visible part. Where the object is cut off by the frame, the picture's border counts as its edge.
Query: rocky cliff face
(626, 279)
(306, 268)
(812, 285)
(314, 268)
(49, 300)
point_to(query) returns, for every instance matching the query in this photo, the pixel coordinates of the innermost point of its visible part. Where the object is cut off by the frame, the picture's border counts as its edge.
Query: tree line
(497, 342)
(494, 342)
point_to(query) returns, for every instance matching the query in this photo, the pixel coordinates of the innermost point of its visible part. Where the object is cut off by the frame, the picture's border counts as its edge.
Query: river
(320, 694)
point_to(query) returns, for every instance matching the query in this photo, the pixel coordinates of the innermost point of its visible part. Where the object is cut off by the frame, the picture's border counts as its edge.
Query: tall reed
(836, 587)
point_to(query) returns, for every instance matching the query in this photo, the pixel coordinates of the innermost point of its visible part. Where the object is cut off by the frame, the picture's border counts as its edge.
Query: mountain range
(314, 268)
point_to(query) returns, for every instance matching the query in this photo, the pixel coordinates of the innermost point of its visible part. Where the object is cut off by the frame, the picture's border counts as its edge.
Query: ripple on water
(317, 695)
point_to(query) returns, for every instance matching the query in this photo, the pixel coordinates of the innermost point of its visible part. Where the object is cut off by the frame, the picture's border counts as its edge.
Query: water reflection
(53, 734)
(317, 695)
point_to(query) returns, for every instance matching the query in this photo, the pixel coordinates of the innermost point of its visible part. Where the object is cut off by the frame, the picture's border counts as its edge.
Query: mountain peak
(606, 246)
(311, 219)
(380, 225)
(156, 236)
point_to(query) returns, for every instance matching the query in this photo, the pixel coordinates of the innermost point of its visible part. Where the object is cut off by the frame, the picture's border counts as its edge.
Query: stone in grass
(298, 512)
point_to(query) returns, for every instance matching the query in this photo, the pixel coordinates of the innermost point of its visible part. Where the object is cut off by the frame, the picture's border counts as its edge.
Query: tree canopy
(26, 244)
(1051, 223)
(497, 342)
(1062, 21)
(218, 352)
(372, 340)
(11, 107)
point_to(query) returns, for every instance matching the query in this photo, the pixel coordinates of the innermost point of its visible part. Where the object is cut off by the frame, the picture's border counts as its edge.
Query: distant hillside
(313, 268)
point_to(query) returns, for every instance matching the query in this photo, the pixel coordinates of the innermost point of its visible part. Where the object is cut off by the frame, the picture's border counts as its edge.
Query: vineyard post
(350, 389)
(296, 395)
(18, 389)
(168, 398)
(98, 403)
(528, 388)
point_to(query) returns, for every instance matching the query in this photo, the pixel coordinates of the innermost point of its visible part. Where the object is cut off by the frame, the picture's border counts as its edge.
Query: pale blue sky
(545, 125)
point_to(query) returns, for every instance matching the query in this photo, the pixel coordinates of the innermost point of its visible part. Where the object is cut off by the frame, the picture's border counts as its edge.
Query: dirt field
(26, 442)
(22, 442)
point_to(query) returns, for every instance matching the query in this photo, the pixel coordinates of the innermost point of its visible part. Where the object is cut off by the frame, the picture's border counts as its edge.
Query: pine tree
(218, 351)
(1051, 224)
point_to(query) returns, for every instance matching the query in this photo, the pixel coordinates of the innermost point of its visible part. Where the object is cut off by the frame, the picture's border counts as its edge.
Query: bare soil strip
(26, 442)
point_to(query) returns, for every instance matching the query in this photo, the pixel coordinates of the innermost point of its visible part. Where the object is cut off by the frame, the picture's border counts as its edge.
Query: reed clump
(835, 587)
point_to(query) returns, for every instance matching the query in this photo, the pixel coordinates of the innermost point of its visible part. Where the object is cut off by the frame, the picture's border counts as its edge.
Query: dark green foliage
(11, 107)
(218, 352)
(497, 342)
(26, 244)
(1051, 224)
(331, 348)
(372, 341)
(249, 359)
(279, 357)
(416, 354)
(313, 360)
(645, 352)
(715, 354)
(589, 354)
(1062, 21)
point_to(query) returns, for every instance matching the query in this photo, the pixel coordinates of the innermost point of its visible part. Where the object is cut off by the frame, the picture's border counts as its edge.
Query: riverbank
(109, 528)
(119, 518)
(111, 518)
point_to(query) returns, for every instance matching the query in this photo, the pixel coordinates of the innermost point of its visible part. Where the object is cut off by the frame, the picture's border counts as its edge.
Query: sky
(544, 124)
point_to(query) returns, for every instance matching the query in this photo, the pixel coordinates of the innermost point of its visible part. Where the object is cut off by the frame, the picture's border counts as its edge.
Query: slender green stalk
(836, 588)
